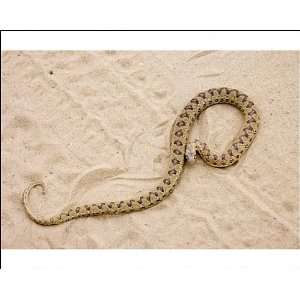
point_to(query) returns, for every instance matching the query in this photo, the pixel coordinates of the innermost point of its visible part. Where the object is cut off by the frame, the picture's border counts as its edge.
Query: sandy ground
(95, 126)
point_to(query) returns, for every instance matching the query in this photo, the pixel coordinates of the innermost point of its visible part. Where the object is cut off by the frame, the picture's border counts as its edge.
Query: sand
(94, 126)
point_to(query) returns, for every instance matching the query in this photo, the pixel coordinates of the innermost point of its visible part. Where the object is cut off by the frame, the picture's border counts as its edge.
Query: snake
(181, 151)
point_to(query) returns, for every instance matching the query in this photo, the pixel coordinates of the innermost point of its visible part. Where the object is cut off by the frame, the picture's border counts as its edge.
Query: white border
(151, 274)
(150, 40)
(155, 14)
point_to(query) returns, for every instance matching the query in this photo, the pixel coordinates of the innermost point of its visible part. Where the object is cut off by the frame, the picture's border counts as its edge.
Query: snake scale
(180, 152)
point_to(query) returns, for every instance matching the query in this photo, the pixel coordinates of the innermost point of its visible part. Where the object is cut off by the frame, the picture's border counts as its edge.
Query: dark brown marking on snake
(172, 172)
(180, 123)
(223, 89)
(167, 181)
(209, 92)
(184, 115)
(250, 104)
(252, 120)
(177, 152)
(153, 195)
(243, 98)
(179, 133)
(230, 152)
(171, 191)
(178, 143)
(235, 93)
(175, 161)
(120, 204)
(252, 112)
(160, 188)
(216, 94)
(189, 107)
(195, 101)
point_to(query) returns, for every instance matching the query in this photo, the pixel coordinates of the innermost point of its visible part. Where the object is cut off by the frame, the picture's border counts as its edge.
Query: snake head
(191, 153)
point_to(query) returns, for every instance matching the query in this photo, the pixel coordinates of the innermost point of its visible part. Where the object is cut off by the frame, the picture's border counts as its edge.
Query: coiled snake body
(180, 151)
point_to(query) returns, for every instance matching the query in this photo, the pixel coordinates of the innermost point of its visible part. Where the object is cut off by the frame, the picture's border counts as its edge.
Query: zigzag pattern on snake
(180, 152)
